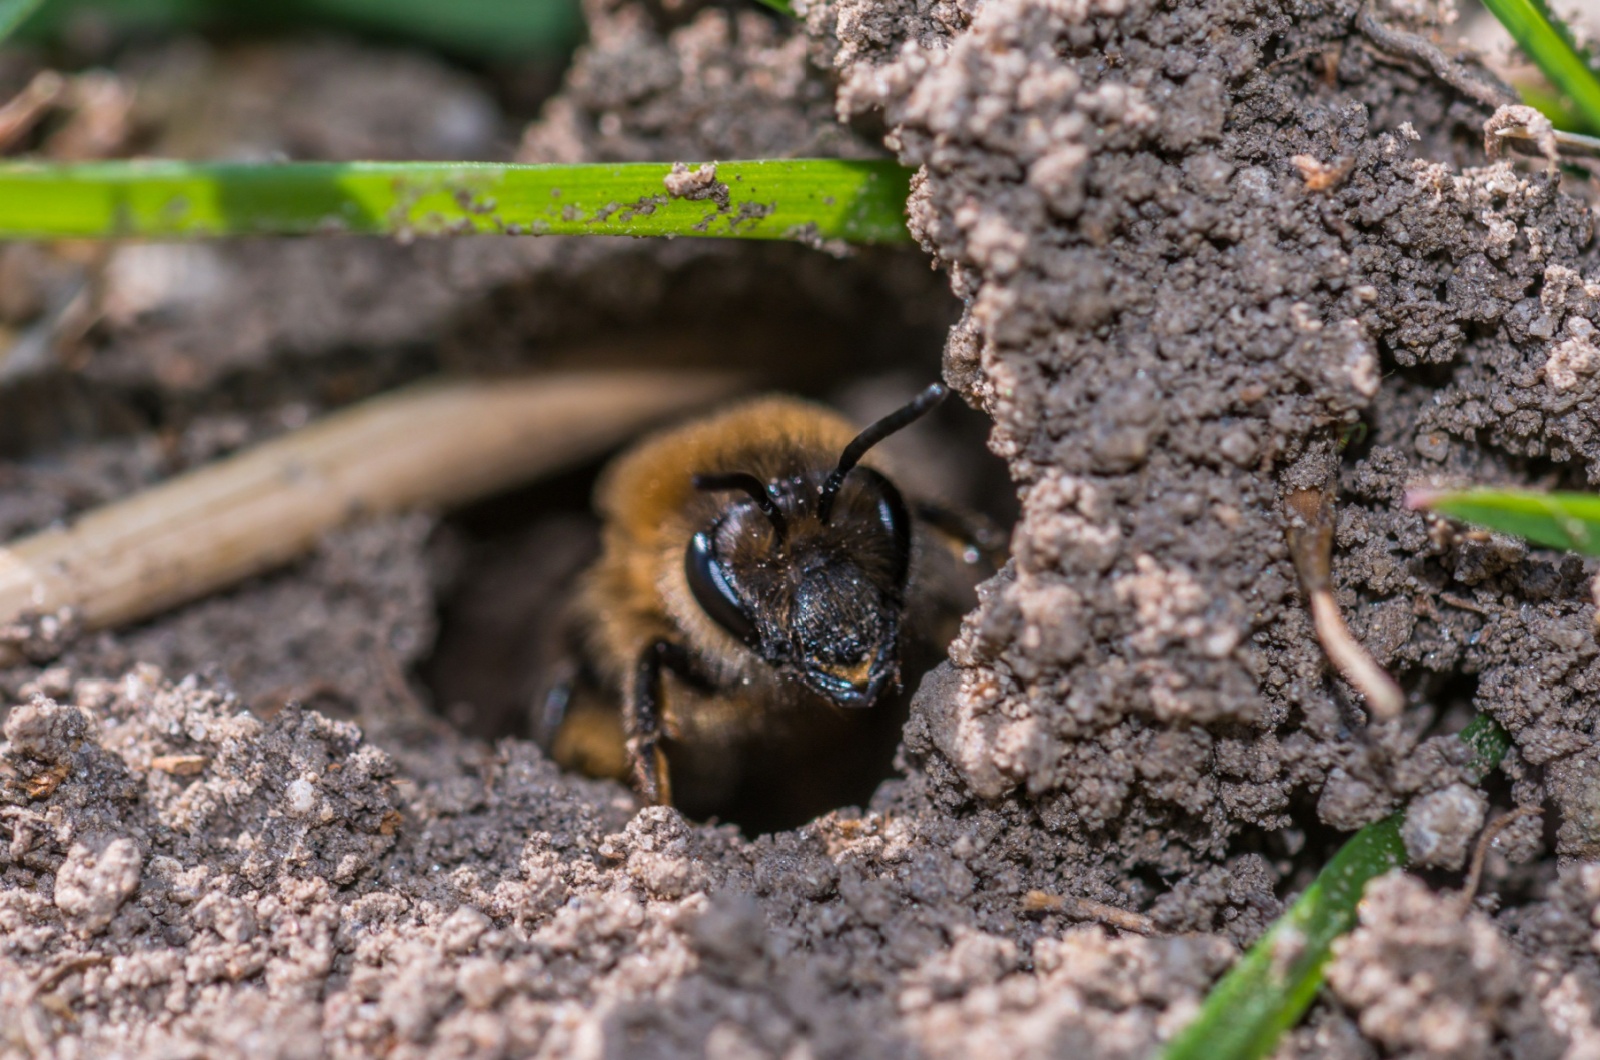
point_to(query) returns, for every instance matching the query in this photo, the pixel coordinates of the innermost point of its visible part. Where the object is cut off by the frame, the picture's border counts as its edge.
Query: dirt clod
(1423, 982)
(1440, 825)
(98, 875)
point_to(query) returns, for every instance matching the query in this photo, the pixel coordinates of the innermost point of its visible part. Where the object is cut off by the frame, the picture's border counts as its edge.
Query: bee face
(814, 588)
(756, 573)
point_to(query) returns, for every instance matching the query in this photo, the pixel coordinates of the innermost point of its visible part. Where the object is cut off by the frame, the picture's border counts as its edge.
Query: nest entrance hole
(512, 561)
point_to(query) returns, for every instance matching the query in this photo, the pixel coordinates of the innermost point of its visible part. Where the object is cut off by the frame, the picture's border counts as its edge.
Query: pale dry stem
(1310, 537)
(1088, 909)
(1469, 890)
(1383, 695)
(428, 446)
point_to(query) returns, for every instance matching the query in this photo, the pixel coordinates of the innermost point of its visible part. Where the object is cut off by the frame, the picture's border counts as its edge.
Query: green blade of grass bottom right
(1269, 989)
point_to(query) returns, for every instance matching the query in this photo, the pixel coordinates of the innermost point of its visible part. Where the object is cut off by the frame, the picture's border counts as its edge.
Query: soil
(1203, 254)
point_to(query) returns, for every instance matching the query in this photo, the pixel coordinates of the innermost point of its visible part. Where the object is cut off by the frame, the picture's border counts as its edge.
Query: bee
(762, 593)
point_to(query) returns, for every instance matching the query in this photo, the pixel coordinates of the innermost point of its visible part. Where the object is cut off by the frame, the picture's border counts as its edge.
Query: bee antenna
(899, 419)
(745, 482)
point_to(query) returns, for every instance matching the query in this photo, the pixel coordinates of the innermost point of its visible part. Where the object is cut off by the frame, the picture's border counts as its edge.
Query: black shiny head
(809, 571)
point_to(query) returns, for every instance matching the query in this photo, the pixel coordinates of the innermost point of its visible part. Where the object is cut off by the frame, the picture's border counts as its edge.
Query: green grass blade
(860, 202)
(781, 6)
(1273, 984)
(1549, 43)
(14, 13)
(1555, 520)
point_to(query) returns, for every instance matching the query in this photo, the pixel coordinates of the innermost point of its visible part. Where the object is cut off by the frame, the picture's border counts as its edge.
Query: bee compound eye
(712, 591)
(895, 519)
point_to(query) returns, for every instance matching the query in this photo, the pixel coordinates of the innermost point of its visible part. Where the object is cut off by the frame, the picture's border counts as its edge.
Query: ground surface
(244, 829)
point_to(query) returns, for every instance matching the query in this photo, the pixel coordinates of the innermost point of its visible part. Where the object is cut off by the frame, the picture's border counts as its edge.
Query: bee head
(809, 570)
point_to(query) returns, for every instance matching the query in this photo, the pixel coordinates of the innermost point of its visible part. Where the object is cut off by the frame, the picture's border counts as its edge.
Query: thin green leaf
(780, 6)
(1272, 985)
(1269, 989)
(805, 199)
(1555, 520)
(14, 13)
(1550, 44)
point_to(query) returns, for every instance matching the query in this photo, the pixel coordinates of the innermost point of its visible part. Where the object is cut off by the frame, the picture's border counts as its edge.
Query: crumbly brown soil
(247, 829)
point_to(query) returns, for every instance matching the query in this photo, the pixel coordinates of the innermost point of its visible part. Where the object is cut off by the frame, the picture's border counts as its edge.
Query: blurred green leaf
(780, 6)
(1555, 520)
(806, 199)
(495, 29)
(14, 13)
(490, 28)
(1552, 47)
(1538, 94)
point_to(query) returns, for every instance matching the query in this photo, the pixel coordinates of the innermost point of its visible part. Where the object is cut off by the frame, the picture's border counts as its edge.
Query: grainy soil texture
(1204, 254)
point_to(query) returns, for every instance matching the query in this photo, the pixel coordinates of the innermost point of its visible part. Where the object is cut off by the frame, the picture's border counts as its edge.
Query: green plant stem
(14, 13)
(1272, 985)
(806, 199)
(1550, 45)
(1555, 520)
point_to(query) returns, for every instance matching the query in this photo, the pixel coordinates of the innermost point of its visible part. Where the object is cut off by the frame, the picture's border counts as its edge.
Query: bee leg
(642, 718)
